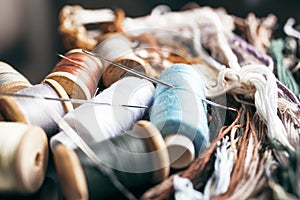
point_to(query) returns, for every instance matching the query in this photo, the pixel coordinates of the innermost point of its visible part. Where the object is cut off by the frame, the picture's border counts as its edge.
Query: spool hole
(38, 160)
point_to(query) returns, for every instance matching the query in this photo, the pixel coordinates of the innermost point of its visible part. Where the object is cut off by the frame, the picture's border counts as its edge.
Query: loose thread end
(219, 105)
(69, 59)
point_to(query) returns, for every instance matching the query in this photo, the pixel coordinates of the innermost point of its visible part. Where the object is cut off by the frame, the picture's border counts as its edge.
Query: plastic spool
(95, 123)
(180, 114)
(23, 158)
(33, 111)
(117, 48)
(80, 78)
(145, 161)
(11, 80)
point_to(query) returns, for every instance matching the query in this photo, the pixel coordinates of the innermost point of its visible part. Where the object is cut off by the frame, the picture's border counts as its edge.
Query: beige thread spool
(23, 158)
(12, 110)
(117, 48)
(11, 80)
(79, 74)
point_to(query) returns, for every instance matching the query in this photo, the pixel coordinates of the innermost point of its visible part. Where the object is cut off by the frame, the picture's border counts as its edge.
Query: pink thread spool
(78, 74)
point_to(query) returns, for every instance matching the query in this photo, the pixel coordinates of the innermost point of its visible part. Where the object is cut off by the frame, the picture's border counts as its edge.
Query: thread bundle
(23, 158)
(180, 110)
(258, 157)
(95, 123)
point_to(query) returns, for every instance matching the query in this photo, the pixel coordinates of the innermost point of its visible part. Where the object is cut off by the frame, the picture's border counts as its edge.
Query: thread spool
(23, 158)
(180, 114)
(11, 80)
(137, 158)
(95, 123)
(79, 74)
(34, 111)
(117, 48)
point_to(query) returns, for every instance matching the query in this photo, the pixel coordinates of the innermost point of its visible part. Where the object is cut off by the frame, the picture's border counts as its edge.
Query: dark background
(29, 37)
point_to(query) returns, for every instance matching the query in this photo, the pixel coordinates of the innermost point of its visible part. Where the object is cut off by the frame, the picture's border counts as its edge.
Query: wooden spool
(27, 166)
(11, 110)
(117, 48)
(181, 150)
(73, 178)
(19, 83)
(79, 74)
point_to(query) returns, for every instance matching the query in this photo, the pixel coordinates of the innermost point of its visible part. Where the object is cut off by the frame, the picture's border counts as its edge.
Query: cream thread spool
(76, 173)
(23, 158)
(79, 74)
(95, 123)
(11, 80)
(31, 111)
(117, 48)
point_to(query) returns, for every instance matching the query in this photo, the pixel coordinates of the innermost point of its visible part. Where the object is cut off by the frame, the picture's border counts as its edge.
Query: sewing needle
(78, 101)
(127, 69)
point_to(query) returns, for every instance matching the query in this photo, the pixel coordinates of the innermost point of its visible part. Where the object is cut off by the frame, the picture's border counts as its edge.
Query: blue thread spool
(180, 114)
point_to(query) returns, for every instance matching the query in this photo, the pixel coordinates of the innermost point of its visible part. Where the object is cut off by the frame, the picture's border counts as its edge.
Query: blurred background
(29, 37)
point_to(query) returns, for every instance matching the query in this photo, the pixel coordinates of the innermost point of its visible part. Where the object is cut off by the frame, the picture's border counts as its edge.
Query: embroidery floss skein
(266, 99)
(11, 80)
(118, 48)
(78, 73)
(283, 73)
(138, 158)
(32, 111)
(180, 114)
(23, 158)
(95, 123)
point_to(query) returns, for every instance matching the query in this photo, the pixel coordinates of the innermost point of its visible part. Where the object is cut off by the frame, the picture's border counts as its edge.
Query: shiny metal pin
(128, 69)
(77, 101)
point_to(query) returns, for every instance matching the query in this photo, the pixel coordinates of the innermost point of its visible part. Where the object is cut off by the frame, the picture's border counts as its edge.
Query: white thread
(78, 141)
(114, 47)
(289, 30)
(79, 16)
(266, 99)
(259, 82)
(219, 182)
(95, 123)
(160, 10)
(184, 189)
(34, 109)
(227, 80)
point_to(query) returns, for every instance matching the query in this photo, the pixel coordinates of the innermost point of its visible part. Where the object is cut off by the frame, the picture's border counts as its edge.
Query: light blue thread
(181, 109)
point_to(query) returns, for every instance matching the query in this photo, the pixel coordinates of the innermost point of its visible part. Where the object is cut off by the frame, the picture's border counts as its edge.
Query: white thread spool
(95, 123)
(117, 48)
(32, 111)
(23, 157)
(11, 80)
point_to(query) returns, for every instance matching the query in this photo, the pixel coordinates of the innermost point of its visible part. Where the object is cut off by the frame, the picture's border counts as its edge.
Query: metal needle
(78, 101)
(128, 69)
